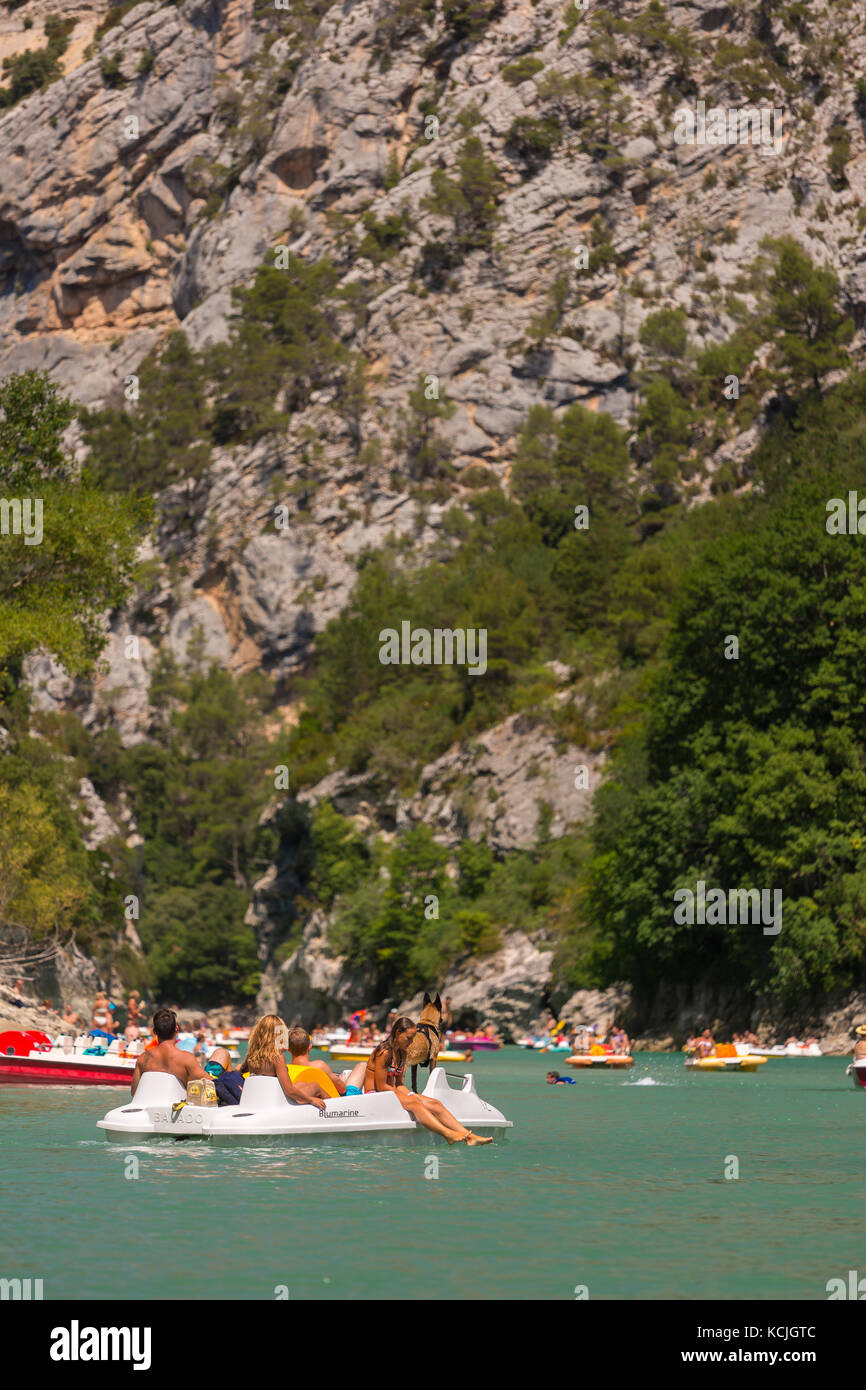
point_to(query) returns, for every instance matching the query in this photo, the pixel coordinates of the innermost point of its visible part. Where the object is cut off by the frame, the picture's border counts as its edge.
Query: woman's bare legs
(447, 1118)
(418, 1107)
(434, 1115)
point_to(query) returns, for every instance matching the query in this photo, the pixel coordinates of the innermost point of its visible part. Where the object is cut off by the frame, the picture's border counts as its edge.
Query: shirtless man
(167, 1056)
(299, 1046)
(860, 1044)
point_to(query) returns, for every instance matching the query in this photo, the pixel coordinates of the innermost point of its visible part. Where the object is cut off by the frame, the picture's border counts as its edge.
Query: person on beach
(384, 1072)
(268, 1041)
(101, 1021)
(166, 1056)
(299, 1046)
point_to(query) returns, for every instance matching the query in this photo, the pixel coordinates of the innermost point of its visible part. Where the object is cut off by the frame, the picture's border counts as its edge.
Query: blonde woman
(268, 1041)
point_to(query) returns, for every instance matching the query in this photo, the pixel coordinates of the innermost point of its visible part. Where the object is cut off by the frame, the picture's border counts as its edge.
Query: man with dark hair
(167, 1056)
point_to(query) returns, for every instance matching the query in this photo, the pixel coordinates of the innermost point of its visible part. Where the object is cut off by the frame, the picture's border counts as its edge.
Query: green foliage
(839, 140)
(54, 590)
(31, 71)
(198, 949)
(161, 438)
(342, 859)
(111, 73)
(588, 465)
(400, 21)
(548, 320)
(391, 177)
(665, 333)
(469, 200)
(116, 12)
(534, 139)
(382, 240)
(800, 302)
(42, 886)
(426, 452)
(470, 19)
(522, 69)
(749, 772)
(198, 786)
(282, 341)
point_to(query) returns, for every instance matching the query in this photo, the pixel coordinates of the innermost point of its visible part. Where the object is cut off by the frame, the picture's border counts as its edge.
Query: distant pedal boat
(357, 1054)
(610, 1061)
(726, 1063)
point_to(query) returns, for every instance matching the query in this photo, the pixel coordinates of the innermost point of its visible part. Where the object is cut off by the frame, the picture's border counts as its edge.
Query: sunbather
(384, 1072)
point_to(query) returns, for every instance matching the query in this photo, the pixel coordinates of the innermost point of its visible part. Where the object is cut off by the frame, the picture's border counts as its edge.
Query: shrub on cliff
(283, 343)
(470, 199)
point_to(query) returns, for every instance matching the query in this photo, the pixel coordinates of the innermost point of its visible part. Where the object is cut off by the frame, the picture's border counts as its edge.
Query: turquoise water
(608, 1183)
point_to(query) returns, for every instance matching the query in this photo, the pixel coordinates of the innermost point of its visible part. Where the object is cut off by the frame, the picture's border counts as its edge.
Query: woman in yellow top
(268, 1041)
(385, 1073)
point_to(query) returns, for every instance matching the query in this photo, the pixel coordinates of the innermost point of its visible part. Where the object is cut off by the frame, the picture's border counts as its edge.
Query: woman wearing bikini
(385, 1070)
(101, 1017)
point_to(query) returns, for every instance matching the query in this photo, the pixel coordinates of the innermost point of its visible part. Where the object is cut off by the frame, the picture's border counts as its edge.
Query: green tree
(427, 453)
(471, 198)
(801, 317)
(55, 590)
(162, 437)
(42, 887)
(282, 346)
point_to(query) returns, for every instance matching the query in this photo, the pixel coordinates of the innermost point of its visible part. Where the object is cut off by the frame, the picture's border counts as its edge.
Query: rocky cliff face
(182, 144)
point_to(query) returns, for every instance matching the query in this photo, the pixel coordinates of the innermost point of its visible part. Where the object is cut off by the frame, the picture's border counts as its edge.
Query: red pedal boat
(857, 1072)
(31, 1059)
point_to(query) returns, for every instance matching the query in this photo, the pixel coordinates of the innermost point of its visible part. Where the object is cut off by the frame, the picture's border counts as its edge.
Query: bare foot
(473, 1139)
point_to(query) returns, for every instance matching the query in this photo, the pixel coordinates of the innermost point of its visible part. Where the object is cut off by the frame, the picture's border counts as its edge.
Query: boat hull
(725, 1063)
(39, 1070)
(358, 1054)
(857, 1072)
(159, 1111)
(607, 1062)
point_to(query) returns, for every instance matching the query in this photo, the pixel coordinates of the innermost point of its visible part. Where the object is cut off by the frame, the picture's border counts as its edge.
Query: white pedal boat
(780, 1050)
(265, 1114)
